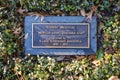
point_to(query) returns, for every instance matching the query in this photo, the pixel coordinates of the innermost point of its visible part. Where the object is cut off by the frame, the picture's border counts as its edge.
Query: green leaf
(100, 54)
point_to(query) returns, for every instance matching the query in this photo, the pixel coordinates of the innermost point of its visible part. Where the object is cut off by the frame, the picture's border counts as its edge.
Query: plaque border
(53, 47)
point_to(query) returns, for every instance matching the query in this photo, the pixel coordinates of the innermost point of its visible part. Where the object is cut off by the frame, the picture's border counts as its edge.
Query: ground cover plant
(102, 66)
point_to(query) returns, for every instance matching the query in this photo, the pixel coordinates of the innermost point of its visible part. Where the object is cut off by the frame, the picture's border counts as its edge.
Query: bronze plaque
(60, 35)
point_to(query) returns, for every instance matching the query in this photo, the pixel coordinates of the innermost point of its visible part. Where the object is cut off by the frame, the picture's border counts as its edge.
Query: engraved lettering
(61, 35)
(55, 44)
(64, 44)
(44, 33)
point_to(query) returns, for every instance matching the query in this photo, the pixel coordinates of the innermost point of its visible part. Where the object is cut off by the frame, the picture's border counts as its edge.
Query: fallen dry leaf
(18, 31)
(59, 58)
(113, 78)
(109, 50)
(37, 15)
(42, 18)
(96, 62)
(79, 57)
(26, 36)
(90, 13)
(91, 57)
(21, 36)
(21, 11)
(94, 8)
(83, 12)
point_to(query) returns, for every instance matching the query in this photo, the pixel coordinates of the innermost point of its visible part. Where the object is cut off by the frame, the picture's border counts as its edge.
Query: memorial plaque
(60, 36)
